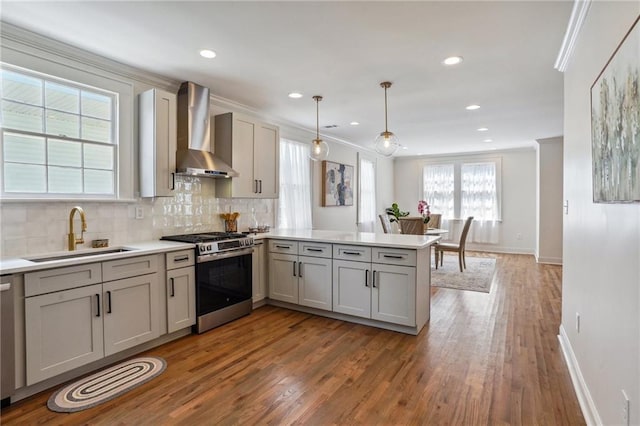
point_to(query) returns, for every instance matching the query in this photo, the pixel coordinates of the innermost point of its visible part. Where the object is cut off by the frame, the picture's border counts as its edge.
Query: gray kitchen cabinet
(259, 272)
(380, 291)
(301, 279)
(252, 149)
(130, 312)
(72, 325)
(63, 331)
(181, 290)
(157, 129)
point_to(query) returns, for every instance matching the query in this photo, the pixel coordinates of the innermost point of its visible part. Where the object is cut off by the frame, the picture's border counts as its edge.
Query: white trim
(499, 249)
(587, 405)
(578, 15)
(549, 260)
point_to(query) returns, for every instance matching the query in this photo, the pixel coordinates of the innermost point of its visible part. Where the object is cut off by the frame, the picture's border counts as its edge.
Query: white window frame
(372, 159)
(457, 193)
(37, 61)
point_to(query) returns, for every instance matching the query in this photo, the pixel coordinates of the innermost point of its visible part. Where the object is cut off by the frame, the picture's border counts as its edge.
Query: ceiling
(342, 51)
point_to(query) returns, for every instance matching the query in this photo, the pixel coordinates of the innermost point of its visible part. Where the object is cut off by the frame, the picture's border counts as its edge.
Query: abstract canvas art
(615, 124)
(337, 184)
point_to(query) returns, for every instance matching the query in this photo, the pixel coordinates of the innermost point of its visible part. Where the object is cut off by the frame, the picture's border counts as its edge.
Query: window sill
(6, 200)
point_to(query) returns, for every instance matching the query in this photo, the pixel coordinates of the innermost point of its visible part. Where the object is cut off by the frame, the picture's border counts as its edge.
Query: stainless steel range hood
(194, 155)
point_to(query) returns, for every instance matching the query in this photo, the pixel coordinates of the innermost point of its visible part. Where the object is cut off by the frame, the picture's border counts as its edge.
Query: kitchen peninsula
(380, 280)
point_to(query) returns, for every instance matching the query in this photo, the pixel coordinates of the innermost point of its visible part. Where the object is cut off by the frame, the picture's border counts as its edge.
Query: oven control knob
(209, 247)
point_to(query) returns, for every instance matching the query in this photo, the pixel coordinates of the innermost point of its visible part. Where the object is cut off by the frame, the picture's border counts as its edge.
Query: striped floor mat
(105, 385)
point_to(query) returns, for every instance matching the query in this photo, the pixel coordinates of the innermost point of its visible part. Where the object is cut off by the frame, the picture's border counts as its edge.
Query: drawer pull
(353, 253)
(108, 302)
(373, 282)
(294, 268)
(98, 304)
(300, 269)
(173, 288)
(315, 250)
(181, 259)
(286, 247)
(392, 256)
(366, 278)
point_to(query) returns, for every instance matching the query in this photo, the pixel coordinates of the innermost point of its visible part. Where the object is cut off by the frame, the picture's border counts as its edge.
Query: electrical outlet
(625, 408)
(139, 213)
(578, 322)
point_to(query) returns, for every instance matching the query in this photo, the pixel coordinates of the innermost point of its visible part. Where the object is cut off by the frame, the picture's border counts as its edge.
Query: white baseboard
(498, 249)
(587, 405)
(549, 260)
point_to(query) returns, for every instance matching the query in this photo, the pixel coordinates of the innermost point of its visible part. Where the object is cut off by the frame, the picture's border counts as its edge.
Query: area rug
(477, 277)
(105, 385)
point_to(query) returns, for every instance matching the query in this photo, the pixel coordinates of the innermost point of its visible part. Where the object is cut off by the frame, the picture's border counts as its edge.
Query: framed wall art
(337, 184)
(615, 124)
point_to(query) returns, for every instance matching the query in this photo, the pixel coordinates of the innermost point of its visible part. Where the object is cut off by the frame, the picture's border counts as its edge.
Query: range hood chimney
(194, 155)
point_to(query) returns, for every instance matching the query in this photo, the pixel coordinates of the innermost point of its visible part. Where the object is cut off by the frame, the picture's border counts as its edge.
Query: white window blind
(58, 137)
(367, 195)
(439, 187)
(479, 197)
(294, 203)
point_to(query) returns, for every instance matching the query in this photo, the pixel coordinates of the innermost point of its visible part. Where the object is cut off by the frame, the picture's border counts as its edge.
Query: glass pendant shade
(319, 148)
(386, 144)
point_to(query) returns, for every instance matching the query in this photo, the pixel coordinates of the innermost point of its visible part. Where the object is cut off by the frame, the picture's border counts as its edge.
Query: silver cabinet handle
(5, 286)
(300, 269)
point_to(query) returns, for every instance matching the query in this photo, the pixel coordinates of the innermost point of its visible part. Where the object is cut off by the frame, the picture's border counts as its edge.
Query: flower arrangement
(423, 209)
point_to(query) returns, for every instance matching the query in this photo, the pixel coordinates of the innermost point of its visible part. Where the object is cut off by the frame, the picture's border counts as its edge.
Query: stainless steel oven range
(223, 276)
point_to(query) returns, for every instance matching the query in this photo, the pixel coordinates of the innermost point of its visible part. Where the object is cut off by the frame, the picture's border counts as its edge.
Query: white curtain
(439, 186)
(367, 196)
(294, 203)
(479, 198)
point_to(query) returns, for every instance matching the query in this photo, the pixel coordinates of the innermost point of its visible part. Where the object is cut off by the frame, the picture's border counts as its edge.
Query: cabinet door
(283, 277)
(245, 184)
(259, 271)
(352, 288)
(266, 155)
(393, 296)
(314, 282)
(181, 298)
(63, 331)
(158, 138)
(130, 312)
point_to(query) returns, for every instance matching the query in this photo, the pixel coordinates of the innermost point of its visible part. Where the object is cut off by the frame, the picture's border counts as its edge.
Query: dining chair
(440, 248)
(386, 223)
(412, 225)
(434, 220)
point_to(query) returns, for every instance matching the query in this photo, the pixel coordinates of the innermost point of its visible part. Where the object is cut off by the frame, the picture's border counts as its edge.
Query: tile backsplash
(30, 228)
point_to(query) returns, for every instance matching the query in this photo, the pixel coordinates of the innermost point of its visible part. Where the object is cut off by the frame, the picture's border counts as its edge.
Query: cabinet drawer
(180, 259)
(130, 267)
(394, 256)
(283, 246)
(308, 248)
(357, 253)
(51, 280)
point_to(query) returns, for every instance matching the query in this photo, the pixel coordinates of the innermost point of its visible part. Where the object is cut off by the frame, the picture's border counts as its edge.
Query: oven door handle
(224, 255)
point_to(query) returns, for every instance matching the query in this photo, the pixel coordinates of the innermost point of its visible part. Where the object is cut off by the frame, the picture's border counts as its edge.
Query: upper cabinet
(158, 143)
(252, 149)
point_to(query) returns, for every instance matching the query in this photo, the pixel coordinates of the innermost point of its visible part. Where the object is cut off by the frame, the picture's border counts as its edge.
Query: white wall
(518, 227)
(601, 274)
(549, 200)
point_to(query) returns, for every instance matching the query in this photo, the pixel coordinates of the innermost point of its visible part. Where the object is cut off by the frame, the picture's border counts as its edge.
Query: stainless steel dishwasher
(7, 340)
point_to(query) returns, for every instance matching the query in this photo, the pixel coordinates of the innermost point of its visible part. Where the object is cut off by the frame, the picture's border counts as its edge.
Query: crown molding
(578, 15)
(24, 40)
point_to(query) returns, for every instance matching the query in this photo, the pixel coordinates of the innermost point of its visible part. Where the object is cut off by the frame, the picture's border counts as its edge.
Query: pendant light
(386, 142)
(319, 148)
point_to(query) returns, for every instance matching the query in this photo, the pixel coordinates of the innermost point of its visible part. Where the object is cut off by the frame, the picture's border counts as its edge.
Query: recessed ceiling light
(354, 123)
(206, 53)
(483, 129)
(404, 147)
(488, 140)
(472, 107)
(452, 60)
(295, 95)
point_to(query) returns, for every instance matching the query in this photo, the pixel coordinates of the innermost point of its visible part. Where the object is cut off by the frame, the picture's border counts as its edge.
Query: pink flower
(423, 208)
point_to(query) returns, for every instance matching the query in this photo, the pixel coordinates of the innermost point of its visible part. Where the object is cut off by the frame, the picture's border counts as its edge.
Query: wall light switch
(566, 206)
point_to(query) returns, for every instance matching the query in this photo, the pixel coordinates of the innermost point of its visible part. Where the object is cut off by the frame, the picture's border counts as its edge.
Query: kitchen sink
(74, 255)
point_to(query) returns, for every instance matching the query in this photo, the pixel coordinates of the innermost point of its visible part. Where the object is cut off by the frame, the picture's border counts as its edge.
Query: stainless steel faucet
(72, 237)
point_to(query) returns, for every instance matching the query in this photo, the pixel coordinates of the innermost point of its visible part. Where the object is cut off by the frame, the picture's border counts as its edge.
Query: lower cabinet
(377, 291)
(259, 272)
(303, 280)
(181, 298)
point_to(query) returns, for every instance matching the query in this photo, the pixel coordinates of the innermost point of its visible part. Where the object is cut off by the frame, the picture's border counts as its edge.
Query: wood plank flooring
(489, 359)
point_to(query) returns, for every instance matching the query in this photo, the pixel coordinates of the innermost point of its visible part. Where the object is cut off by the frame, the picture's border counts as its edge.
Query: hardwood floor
(482, 359)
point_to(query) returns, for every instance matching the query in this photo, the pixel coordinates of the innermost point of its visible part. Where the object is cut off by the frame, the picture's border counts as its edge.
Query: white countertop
(18, 265)
(415, 242)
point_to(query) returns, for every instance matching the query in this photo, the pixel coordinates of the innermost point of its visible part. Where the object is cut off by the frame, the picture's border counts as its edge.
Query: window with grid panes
(58, 137)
